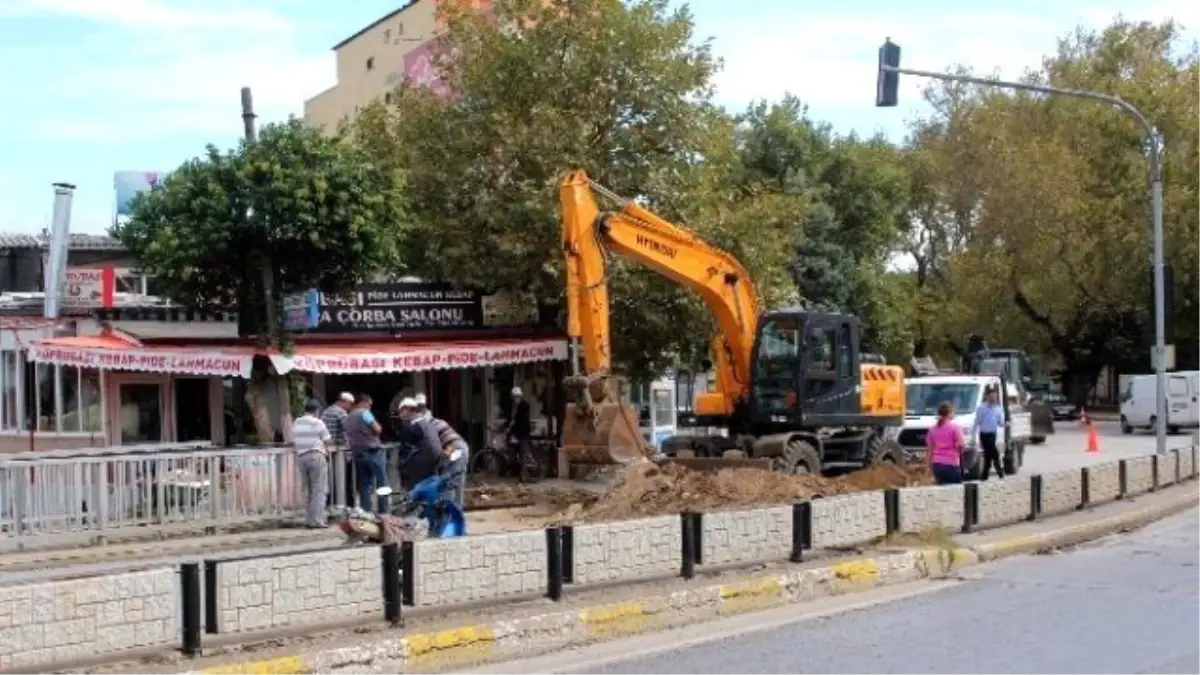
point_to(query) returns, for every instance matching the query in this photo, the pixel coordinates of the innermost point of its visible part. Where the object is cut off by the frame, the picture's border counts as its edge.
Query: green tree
(619, 89)
(843, 198)
(1038, 209)
(240, 228)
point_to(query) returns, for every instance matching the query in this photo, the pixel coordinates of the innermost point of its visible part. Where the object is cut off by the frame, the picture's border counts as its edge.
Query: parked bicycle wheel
(532, 470)
(486, 462)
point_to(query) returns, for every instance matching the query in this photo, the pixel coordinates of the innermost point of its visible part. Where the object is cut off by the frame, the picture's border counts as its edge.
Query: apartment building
(376, 59)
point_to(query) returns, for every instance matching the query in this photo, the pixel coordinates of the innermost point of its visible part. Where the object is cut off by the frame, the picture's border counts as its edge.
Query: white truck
(924, 394)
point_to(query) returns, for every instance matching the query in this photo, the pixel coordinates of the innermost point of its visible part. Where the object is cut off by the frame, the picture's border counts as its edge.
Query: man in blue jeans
(370, 460)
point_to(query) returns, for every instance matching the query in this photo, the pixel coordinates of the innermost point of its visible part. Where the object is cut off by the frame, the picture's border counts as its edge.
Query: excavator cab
(808, 372)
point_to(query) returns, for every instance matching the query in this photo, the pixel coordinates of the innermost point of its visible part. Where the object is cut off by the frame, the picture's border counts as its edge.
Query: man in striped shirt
(334, 418)
(313, 442)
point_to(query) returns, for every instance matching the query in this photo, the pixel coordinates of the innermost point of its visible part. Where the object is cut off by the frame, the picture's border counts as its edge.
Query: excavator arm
(598, 429)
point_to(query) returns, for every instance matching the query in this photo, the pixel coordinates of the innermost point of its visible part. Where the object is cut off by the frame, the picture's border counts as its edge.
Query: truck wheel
(1126, 427)
(1037, 440)
(880, 451)
(799, 457)
(1172, 430)
(1012, 459)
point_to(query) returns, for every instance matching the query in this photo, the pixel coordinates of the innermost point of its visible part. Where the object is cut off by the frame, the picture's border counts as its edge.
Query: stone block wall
(746, 535)
(57, 621)
(302, 588)
(627, 549)
(1187, 462)
(1104, 482)
(1004, 502)
(848, 520)
(1139, 477)
(1166, 468)
(473, 569)
(1061, 491)
(923, 508)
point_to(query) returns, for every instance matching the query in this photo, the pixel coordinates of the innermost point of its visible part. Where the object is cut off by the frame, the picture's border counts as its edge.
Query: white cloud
(160, 69)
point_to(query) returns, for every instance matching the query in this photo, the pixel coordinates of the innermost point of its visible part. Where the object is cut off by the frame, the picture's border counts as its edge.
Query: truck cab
(923, 395)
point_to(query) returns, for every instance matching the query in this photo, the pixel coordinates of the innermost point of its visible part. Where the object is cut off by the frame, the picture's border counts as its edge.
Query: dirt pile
(652, 490)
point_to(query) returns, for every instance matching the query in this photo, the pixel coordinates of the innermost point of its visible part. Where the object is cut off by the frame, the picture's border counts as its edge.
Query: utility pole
(58, 247)
(886, 96)
(245, 321)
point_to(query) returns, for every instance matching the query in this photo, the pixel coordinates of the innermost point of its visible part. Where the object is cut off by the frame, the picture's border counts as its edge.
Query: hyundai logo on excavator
(656, 246)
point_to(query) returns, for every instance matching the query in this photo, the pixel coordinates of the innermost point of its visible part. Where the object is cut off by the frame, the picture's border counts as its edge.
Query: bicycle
(501, 457)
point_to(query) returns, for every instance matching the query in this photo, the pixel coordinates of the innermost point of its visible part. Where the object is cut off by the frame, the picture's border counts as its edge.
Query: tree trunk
(256, 398)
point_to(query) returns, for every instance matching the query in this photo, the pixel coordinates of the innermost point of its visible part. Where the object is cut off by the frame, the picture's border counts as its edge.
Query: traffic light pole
(1155, 142)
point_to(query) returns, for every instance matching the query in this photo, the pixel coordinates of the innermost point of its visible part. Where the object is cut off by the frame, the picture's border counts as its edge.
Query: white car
(923, 395)
(1183, 402)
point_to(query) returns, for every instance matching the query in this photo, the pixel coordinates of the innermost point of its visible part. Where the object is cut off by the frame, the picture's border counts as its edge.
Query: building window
(400, 28)
(371, 63)
(55, 399)
(387, 98)
(387, 35)
(10, 388)
(45, 398)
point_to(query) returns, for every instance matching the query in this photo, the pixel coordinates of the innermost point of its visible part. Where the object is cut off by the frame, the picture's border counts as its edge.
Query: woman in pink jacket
(944, 447)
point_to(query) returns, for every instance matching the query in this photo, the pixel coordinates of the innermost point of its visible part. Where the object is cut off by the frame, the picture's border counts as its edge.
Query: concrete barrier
(1104, 482)
(265, 592)
(57, 621)
(51, 622)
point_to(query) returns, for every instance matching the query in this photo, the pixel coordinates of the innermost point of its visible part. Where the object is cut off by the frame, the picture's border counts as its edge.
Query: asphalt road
(1066, 449)
(1127, 604)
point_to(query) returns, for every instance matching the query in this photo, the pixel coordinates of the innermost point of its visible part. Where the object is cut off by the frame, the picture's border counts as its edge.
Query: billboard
(129, 183)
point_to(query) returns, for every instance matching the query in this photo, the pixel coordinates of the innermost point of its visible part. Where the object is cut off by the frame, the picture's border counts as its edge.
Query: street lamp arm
(1117, 101)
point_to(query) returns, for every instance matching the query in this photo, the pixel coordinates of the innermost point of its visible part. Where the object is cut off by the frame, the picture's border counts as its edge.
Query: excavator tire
(880, 451)
(798, 457)
(608, 433)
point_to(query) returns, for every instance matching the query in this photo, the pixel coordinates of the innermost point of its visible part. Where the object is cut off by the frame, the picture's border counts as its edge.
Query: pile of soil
(651, 490)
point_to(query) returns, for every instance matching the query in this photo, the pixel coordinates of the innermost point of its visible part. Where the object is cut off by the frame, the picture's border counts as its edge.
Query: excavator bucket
(602, 433)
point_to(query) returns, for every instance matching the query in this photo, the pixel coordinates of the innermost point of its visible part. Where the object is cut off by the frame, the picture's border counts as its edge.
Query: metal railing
(71, 497)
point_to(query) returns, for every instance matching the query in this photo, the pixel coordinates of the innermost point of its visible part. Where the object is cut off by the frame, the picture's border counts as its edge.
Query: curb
(462, 646)
(472, 644)
(1084, 532)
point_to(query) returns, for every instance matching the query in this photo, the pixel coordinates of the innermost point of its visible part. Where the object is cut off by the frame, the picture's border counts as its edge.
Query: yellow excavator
(790, 385)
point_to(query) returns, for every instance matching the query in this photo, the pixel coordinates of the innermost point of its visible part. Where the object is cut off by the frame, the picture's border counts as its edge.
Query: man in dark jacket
(519, 427)
(439, 445)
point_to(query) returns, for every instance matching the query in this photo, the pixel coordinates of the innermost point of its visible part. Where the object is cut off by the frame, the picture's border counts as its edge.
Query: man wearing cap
(370, 460)
(519, 427)
(439, 440)
(313, 441)
(334, 418)
(423, 406)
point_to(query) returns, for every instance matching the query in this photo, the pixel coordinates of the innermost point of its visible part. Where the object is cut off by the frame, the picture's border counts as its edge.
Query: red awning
(400, 357)
(116, 351)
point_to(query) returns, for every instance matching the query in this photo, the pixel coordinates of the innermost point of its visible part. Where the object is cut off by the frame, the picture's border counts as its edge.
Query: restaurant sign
(406, 306)
(147, 359)
(426, 357)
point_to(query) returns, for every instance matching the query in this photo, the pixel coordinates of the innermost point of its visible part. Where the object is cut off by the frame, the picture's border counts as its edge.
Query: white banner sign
(154, 360)
(427, 358)
(85, 288)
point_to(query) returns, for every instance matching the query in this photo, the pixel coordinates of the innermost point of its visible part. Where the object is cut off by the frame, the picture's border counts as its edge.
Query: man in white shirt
(313, 442)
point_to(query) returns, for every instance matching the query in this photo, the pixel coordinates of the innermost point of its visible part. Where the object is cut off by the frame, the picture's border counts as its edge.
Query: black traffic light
(889, 80)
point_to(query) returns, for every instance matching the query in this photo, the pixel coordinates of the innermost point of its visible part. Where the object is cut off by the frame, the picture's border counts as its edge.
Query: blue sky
(95, 86)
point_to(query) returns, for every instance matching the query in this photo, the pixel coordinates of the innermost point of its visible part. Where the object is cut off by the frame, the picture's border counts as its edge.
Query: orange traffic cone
(1093, 438)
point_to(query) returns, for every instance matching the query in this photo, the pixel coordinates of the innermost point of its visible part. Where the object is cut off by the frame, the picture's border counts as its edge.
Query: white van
(1183, 402)
(922, 397)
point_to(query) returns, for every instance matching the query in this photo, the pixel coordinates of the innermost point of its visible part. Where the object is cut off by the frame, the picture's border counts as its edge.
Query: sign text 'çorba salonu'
(408, 306)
